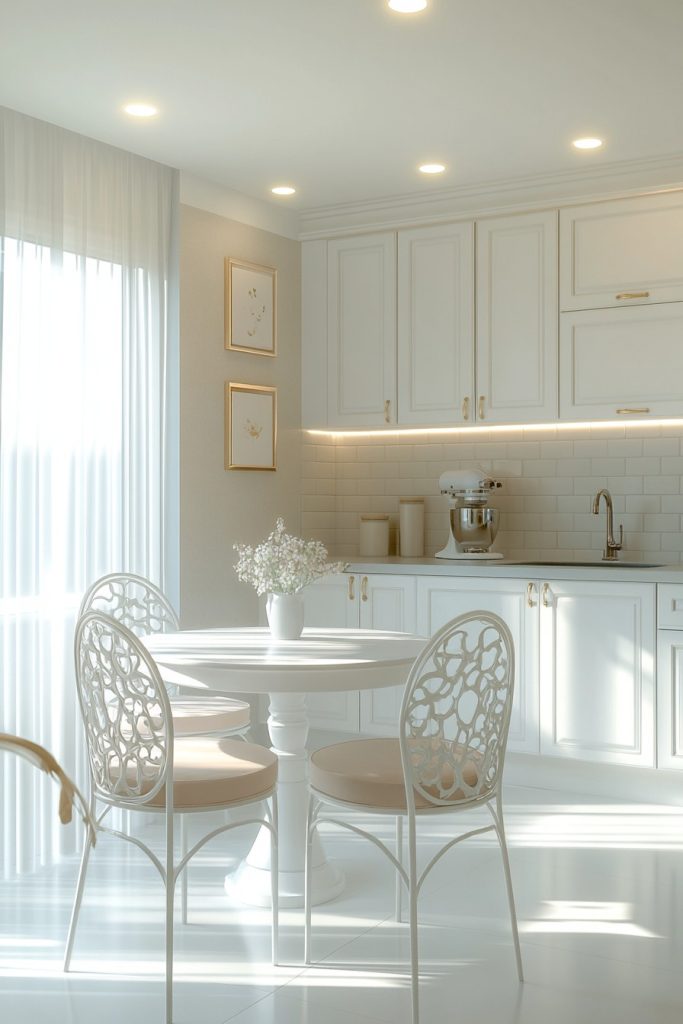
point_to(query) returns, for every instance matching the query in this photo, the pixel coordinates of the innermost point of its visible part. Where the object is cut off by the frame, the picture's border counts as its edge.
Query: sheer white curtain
(88, 428)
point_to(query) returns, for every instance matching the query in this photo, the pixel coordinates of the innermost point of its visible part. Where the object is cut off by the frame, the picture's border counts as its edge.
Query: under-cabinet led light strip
(497, 428)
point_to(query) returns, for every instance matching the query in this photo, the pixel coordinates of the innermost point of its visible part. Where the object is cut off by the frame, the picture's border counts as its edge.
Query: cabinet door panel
(622, 247)
(517, 317)
(327, 603)
(670, 700)
(389, 604)
(361, 297)
(441, 600)
(612, 359)
(435, 324)
(597, 672)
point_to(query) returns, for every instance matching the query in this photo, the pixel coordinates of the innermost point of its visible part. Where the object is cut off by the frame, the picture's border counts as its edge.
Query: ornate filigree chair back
(132, 600)
(456, 710)
(125, 710)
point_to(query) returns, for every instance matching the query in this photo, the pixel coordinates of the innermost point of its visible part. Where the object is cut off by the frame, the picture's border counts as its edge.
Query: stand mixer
(473, 523)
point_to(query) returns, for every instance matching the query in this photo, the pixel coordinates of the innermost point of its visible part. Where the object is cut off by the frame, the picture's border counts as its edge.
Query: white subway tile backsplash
(549, 479)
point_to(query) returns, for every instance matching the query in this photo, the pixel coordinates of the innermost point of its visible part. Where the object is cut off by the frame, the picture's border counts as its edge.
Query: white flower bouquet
(283, 564)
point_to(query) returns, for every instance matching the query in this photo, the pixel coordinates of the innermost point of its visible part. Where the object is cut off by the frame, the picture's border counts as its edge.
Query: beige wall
(219, 507)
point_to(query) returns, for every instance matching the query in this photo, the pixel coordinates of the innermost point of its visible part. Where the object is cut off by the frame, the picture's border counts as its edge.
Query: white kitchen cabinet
(620, 252)
(621, 362)
(332, 601)
(361, 331)
(597, 665)
(670, 699)
(436, 324)
(441, 599)
(367, 602)
(517, 313)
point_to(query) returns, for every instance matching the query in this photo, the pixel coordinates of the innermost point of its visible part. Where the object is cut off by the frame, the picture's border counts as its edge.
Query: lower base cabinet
(584, 660)
(670, 699)
(597, 671)
(365, 602)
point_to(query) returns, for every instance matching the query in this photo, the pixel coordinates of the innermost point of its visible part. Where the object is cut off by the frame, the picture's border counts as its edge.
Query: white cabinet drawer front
(622, 359)
(597, 672)
(362, 330)
(670, 700)
(517, 317)
(435, 323)
(670, 606)
(612, 250)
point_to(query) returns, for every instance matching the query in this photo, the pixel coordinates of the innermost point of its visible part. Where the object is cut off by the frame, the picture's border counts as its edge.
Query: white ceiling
(343, 98)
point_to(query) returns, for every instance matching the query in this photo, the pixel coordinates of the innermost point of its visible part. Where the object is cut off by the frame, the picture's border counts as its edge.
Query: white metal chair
(137, 763)
(449, 756)
(143, 608)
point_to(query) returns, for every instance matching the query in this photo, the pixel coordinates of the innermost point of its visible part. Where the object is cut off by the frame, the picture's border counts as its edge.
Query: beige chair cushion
(370, 773)
(213, 772)
(192, 715)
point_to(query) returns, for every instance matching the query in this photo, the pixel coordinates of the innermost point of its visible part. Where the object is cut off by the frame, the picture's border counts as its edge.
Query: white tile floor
(599, 889)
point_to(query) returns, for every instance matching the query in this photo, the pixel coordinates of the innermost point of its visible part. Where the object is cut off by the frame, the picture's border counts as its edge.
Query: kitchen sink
(600, 565)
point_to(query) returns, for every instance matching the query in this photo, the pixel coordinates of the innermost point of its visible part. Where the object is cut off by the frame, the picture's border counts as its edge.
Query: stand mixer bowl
(474, 528)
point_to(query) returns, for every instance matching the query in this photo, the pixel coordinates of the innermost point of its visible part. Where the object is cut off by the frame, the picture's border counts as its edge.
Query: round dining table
(250, 661)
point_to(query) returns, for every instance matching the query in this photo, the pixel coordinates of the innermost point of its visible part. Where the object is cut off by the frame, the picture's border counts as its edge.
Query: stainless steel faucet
(611, 546)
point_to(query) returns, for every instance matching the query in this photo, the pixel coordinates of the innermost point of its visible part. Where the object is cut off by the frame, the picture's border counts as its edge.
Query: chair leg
(312, 807)
(412, 890)
(85, 856)
(184, 872)
(170, 892)
(399, 858)
(274, 878)
(500, 832)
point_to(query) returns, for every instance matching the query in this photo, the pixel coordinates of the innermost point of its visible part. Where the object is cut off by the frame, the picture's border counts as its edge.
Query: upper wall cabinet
(621, 252)
(436, 324)
(361, 331)
(517, 318)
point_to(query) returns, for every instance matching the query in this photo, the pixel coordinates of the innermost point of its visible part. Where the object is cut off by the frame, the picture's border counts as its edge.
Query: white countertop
(503, 567)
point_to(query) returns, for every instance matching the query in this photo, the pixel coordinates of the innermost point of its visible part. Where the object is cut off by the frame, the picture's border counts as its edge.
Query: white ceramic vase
(285, 615)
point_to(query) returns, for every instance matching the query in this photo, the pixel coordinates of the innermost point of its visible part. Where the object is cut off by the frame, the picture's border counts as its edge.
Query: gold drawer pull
(352, 594)
(627, 412)
(632, 295)
(364, 589)
(482, 399)
(387, 411)
(466, 408)
(546, 591)
(530, 589)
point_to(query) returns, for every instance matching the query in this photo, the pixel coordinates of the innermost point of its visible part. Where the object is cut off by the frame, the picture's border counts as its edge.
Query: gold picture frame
(250, 426)
(250, 308)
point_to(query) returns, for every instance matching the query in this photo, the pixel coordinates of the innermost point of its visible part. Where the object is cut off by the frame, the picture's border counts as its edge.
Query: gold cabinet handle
(632, 295)
(364, 589)
(387, 411)
(352, 586)
(482, 399)
(627, 412)
(466, 407)
(544, 595)
(530, 591)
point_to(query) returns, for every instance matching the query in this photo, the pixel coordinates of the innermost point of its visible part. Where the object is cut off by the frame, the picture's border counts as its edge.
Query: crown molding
(604, 181)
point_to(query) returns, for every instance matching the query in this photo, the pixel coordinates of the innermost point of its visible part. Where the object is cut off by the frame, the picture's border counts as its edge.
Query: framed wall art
(250, 308)
(250, 426)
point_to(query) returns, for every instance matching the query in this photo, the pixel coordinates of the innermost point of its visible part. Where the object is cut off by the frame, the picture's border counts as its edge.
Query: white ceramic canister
(374, 534)
(411, 520)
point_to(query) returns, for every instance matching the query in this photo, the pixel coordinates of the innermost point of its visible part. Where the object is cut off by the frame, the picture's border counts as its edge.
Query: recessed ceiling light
(283, 190)
(587, 143)
(407, 6)
(141, 109)
(432, 168)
